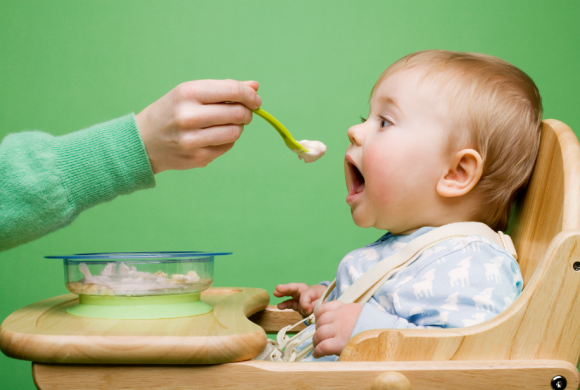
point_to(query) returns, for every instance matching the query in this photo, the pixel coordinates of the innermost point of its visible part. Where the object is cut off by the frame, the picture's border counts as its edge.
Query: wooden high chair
(534, 344)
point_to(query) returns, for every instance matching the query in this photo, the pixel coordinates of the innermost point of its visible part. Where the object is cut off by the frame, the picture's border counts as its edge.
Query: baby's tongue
(360, 188)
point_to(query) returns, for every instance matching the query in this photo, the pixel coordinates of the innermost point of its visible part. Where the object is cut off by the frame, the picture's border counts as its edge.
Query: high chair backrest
(551, 201)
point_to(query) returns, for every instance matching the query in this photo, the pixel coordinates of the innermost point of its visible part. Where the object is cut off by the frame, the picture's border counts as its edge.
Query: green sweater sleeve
(46, 181)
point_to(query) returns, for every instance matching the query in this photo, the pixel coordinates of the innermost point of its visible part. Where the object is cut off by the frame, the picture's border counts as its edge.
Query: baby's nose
(355, 135)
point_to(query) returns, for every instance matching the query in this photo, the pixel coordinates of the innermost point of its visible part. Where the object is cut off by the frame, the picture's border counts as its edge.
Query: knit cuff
(103, 161)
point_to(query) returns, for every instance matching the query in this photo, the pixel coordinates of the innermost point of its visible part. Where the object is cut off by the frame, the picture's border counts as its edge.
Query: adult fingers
(219, 91)
(217, 150)
(199, 158)
(252, 84)
(211, 136)
(195, 116)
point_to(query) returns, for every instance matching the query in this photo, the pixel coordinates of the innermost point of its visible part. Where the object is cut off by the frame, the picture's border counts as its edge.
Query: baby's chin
(365, 221)
(361, 220)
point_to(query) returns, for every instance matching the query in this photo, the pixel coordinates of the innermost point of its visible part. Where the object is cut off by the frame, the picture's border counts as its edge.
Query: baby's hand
(196, 122)
(304, 298)
(335, 322)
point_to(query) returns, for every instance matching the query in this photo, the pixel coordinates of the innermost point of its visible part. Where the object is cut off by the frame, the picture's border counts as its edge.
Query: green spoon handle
(284, 133)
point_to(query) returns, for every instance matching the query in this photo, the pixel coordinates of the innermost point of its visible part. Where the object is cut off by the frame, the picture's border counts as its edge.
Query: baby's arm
(304, 297)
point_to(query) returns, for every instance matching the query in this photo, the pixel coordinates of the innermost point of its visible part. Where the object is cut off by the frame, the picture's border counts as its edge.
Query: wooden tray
(44, 332)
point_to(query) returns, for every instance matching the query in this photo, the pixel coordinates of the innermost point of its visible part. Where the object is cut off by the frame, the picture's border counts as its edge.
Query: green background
(65, 65)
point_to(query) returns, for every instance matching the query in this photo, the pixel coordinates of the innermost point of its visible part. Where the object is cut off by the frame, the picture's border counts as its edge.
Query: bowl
(139, 285)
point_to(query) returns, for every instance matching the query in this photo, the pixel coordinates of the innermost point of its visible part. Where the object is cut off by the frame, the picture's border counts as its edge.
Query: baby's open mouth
(358, 180)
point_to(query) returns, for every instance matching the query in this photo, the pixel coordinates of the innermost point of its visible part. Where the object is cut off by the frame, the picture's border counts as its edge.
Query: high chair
(534, 344)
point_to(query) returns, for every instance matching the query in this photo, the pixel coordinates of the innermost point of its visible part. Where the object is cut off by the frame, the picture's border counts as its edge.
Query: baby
(450, 137)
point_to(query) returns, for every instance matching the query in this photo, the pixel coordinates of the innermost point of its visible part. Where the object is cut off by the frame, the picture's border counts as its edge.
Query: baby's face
(397, 155)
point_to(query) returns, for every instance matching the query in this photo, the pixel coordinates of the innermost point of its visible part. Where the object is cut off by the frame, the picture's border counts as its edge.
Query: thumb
(310, 306)
(252, 84)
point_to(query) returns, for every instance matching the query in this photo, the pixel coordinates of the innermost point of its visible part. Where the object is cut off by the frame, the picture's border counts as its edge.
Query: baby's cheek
(384, 176)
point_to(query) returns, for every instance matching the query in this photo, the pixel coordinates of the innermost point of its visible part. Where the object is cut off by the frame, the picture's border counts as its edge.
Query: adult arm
(46, 181)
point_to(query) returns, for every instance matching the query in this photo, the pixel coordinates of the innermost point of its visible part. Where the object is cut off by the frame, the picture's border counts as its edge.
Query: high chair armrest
(402, 345)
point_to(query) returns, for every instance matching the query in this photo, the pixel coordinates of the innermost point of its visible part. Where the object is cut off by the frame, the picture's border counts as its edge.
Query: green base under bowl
(140, 308)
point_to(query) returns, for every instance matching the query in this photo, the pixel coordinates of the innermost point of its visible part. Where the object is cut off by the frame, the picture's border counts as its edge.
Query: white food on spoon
(316, 149)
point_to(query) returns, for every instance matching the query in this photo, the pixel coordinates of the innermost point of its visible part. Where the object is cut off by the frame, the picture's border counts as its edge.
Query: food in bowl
(120, 279)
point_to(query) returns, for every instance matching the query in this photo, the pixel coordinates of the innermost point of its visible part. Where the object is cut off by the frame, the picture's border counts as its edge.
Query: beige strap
(365, 287)
(508, 244)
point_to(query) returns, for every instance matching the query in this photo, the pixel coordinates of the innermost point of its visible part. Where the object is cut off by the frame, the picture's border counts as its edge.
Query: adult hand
(196, 122)
(335, 322)
(304, 298)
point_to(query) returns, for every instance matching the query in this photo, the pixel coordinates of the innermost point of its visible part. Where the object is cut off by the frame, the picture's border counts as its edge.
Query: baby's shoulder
(468, 264)
(468, 252)
(475, 245)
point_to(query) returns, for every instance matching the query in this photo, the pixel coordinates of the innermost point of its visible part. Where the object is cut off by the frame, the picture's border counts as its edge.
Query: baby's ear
(462, 174)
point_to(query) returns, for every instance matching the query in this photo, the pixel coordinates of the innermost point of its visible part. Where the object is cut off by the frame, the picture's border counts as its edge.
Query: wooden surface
(552, 199)
(273, 319)
(44, 332)
(391, 380)
(485, 375)
(543, 321)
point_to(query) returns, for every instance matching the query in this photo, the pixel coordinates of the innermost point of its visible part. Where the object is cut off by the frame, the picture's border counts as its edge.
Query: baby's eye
(362, 120)
(385, 122)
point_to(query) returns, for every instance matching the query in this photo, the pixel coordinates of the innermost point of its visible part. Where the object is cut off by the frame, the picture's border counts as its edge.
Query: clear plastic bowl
(130, 274)
(139, 285)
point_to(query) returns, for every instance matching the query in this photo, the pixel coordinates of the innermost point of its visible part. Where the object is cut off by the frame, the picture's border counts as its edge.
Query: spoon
(284, 133)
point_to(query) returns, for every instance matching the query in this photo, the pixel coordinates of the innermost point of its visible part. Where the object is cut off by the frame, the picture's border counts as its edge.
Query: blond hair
(496, 109)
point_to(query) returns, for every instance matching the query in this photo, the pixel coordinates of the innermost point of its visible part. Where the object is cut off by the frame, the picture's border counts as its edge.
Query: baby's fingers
(289, 304)
(327, 347)
(290, 290)
(323, 333)
(325, 308)
(308, 307)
